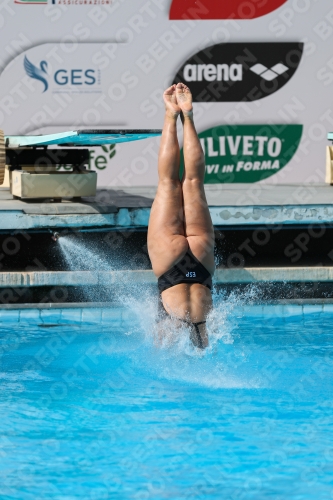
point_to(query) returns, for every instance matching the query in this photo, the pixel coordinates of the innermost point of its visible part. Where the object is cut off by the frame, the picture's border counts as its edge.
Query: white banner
(75, 65)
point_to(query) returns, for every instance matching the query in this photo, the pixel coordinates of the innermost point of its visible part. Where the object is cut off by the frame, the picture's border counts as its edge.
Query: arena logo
(240, 71)
(247, 153)
(222, 9)
(72, 80)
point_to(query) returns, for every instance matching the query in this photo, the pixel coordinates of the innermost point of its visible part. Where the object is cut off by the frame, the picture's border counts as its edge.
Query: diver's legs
(166, 237)
(198, 224)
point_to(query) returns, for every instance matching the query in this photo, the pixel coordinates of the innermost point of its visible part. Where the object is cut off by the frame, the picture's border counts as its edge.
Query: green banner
(247, 153)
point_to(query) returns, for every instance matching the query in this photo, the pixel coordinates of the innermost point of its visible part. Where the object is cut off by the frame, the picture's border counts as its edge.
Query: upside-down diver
(180, 231)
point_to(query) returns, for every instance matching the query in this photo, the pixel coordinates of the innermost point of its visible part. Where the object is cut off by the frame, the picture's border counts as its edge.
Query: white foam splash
(172, 356)
(79, 255)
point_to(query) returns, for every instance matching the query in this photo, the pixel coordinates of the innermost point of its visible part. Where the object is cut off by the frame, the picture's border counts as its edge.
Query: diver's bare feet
(184, 99)
(170, 101)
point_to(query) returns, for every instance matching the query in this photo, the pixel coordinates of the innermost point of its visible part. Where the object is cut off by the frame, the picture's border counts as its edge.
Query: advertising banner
(260, 73)
(247, 153)
(240, 72)
(212, 9)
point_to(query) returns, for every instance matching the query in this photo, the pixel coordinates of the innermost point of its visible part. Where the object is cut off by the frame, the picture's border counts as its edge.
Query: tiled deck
(230, 205)
(84, 314)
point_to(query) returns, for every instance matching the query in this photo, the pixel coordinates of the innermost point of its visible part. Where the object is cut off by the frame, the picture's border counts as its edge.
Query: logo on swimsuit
(232, 72)
(247, 153)
(223, 9)
(191, 274)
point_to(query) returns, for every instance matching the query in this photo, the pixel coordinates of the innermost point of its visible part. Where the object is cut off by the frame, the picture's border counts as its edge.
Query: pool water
(94, 412)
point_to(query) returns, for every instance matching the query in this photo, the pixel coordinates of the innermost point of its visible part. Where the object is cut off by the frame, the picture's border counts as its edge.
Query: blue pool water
(94, 411)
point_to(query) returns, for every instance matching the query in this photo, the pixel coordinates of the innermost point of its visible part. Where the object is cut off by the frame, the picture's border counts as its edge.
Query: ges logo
(62, 77)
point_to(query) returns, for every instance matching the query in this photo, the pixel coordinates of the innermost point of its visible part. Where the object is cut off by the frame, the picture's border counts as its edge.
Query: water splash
(84, 256)
(80, 255)
(142, 302)
(174, 358)
(171, 356)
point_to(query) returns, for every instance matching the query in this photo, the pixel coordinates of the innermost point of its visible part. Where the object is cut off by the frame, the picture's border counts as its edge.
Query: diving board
(29, 170)
(77, 138)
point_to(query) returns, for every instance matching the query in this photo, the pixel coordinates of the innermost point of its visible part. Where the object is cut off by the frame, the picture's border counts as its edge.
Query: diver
(180, 230)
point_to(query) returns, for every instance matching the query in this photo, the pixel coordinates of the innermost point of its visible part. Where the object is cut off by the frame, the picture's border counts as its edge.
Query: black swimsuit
(188, 270)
